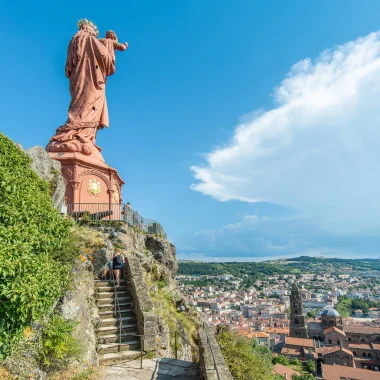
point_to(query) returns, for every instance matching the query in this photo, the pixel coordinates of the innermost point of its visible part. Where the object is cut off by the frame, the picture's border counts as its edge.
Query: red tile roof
(361, 329)
(292, 351)
(363, 346)
(338, 372)
(334, 329)
(301, 342)
(282, 370)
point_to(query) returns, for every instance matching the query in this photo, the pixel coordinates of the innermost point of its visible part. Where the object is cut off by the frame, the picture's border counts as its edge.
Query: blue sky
(216, 136)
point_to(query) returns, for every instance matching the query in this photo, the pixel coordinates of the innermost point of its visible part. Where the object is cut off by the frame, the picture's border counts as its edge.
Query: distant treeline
(252, 271)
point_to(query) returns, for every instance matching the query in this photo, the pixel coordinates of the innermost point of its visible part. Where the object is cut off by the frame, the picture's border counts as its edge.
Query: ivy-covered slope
(32, 233)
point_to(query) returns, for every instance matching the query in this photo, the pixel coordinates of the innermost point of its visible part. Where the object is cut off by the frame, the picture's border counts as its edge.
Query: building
(297, 318)
(330, 317)
(339, 372)
(362, 334)
(337, 356)
(334, 336)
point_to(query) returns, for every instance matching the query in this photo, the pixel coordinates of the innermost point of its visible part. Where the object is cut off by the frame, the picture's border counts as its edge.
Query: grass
(86, 374)
(164, 306)
(75, 374)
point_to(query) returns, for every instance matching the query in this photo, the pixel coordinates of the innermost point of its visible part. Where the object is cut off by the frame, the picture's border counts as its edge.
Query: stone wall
(207, 347)
(146, 320)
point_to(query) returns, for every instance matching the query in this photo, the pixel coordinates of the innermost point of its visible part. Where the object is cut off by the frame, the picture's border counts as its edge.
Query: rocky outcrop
(78, 304)
(156, 255)
(50, 171)
(164, 252)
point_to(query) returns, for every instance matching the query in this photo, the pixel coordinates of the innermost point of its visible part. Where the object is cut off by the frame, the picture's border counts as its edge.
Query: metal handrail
(205, 327)
(116, 305)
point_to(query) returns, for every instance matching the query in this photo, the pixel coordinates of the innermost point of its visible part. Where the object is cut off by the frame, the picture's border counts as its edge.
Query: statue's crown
(84, 21)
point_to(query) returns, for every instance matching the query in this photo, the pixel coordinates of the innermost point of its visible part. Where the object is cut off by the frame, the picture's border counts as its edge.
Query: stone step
(120, 294)
(115, 321)
(111, 300)
(109, 348)
(101, 283)
(112, 330)
(121, 288)
(125, 312)
(114, 338)
(114, 358)
(111, 306)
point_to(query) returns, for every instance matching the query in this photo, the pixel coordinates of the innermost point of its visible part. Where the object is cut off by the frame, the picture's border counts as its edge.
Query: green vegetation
(311, 314)
(84, 375)
(164, 306)
(307, 369)
(58, 345)
(246, 360)
(33, 273)
(347, 306)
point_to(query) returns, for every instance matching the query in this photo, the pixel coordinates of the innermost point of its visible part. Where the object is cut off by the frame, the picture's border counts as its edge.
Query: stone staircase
(109, 326)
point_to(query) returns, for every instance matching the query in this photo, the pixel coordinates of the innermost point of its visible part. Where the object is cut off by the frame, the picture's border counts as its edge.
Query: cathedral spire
(297, 318)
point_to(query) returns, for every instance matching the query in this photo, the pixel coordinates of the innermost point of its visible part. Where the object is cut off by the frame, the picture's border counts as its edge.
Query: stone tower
(297, 319)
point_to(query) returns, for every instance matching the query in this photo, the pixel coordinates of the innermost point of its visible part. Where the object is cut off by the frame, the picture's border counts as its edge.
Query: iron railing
(114, 211)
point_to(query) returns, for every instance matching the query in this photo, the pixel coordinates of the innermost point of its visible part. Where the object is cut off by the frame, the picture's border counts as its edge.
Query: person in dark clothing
(118, 265)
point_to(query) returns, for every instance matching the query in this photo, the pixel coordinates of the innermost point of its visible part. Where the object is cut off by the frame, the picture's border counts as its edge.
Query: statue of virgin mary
(89, 62)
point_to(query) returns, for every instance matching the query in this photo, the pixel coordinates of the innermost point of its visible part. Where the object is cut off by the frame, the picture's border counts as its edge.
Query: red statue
(89, 62)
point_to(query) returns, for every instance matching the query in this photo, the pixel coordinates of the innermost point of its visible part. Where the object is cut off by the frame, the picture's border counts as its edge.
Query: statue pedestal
(91, 185)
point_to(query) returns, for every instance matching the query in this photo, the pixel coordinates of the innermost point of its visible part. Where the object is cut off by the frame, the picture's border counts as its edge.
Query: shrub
(310, 366)
(58, 345)
(32, 234)
(245, 360)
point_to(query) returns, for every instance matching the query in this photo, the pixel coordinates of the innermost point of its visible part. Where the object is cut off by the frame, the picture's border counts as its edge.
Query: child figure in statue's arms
(111, 43)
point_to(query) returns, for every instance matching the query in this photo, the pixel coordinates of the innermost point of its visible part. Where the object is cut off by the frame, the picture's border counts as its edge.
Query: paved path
(159, 369)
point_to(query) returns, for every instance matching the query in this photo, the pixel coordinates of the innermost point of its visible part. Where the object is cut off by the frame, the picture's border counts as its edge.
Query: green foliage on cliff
(32, 233)
(245, 359)
(58, 345)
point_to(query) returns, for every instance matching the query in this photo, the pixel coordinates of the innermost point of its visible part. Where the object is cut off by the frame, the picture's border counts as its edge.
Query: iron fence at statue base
(116, 212)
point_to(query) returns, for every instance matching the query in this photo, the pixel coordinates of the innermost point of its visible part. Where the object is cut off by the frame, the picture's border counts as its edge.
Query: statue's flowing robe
(88, 64)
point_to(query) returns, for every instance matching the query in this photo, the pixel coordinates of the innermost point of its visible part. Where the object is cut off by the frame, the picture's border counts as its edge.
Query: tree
(294, 361)
(244, 359)
(311, 314)
(303, 377)
(280, 359)
(310, 366)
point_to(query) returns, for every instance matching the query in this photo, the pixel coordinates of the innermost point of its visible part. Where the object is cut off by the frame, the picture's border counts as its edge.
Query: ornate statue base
(91, 185)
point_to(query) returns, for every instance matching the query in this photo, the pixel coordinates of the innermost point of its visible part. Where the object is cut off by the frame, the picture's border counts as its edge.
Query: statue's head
(88, 26)
(111, 34)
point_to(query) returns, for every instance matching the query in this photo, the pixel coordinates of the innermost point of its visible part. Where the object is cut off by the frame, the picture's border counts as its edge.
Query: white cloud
(318, 149)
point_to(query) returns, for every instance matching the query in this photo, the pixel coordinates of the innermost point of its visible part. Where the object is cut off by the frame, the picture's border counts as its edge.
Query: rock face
(78, 305)
(49, 170)
(156, 255)
(164, 252)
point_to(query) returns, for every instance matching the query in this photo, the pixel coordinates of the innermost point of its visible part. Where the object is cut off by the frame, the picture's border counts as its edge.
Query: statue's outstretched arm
(120, 47)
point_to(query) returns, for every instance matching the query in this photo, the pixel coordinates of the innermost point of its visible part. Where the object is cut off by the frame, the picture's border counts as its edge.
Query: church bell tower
(297, 318)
